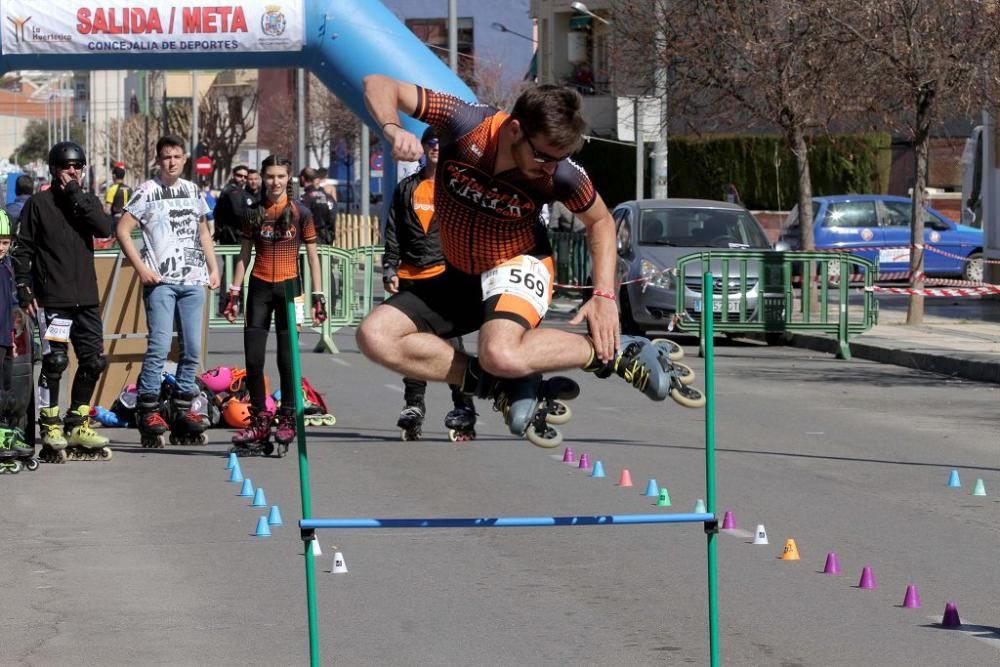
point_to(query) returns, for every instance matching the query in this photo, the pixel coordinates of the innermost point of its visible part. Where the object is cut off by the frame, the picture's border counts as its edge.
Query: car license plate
(734, 306)
(894, 256)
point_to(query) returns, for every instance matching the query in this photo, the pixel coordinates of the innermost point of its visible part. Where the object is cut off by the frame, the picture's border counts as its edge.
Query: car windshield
(700, 228)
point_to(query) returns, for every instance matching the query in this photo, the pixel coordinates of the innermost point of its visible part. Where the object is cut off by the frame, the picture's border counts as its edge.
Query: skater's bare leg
(508, 350)
(388, 337)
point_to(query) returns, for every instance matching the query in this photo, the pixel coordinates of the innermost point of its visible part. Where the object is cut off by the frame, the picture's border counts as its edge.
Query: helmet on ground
(66, 151)
(218, 379)
(5, 228)
(236, 413)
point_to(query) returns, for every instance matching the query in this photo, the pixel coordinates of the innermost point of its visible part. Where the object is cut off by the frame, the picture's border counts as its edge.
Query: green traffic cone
(664, 500)
(980, 489)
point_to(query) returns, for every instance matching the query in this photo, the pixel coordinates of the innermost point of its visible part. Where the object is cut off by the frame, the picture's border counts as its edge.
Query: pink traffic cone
(832, 564)
(911, 600)
(568, 456)
(625, 480)
(728, 521)
(951, 619)
(867, 579)
(584, 461)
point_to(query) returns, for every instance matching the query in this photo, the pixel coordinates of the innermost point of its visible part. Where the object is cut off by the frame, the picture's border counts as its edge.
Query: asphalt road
(149, 559)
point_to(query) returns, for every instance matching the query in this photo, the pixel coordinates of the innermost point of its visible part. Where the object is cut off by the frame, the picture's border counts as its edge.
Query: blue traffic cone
(598, 470)
(247, 490)
(263, 530)
(953, 481)
(274, 516)
(236, 475)
(258, 498)
(233, 461)
(652, 489)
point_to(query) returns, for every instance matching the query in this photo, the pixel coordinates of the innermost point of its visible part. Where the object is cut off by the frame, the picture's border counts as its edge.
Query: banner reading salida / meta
(151, 26)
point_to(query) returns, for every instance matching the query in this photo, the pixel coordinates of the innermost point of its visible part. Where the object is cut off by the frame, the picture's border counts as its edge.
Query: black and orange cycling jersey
(488, 218)
(277, 253)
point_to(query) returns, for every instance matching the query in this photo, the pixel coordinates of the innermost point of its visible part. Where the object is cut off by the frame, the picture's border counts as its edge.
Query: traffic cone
(339, 566)
(247, 490)
(728, 521)
(568, 456)
(791, 551)
(233, 461)
(664, 499)
(760, 535)
(625, 479)
(911, 600)
(584, 461)
(236, 475)
(651, 488)
(699, 506)
(832, 564)
(258, 498)
(315, 547)
(598, 470)
(950, 618)
(980, 489)
(274, 516)
(867, 579)
(953, 480)
(263, 530)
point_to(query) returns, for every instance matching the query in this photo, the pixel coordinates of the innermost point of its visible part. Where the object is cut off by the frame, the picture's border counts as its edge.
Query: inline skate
(461, 423)
(150, 422)
(284, 431)
(83, 442)
(9, 462)
(410, 422)
(680, 375)
(25, 452)
(255, 439)
(53, 441)
(532, 407)
(188, 424)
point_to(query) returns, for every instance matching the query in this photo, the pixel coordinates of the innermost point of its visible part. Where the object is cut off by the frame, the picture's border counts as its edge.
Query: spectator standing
(231, 208)
(24, 187)
(315, 199)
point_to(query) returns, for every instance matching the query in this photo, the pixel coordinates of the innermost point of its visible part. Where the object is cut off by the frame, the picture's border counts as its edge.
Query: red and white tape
(943, 291)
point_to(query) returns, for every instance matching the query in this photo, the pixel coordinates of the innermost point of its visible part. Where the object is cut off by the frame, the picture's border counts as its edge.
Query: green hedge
(761, 166)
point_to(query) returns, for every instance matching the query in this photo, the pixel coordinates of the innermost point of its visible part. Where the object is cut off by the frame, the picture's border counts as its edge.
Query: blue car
(881, 223)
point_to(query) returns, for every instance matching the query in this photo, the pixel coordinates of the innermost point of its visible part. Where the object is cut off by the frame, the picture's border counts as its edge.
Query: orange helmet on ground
(236, 413)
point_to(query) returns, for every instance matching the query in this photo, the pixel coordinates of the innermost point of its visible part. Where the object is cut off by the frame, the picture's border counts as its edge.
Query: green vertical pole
(713, 580)
(300, 433)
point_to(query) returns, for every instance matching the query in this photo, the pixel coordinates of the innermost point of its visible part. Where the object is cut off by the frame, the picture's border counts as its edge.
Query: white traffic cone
(315, 547)
(760, 535)
(339, 566)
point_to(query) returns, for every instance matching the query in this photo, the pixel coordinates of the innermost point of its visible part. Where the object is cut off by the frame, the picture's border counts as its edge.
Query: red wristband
(606, 295)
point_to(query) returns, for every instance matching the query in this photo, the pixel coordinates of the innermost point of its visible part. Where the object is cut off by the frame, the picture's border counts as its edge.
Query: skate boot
(189, 426)
(680, 375)
(284, 432)
(84, 444)
(152, 426)
(532, 406)
(410, 422)
(640, 363)
(8, 456)
(255, 439)
(53, 441)
(461, 423)
(25, 451)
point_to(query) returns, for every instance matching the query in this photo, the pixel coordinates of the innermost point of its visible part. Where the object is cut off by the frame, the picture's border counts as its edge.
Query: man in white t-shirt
(177, 260)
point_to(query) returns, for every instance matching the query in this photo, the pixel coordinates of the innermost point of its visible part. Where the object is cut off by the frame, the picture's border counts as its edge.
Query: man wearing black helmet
(53, 257)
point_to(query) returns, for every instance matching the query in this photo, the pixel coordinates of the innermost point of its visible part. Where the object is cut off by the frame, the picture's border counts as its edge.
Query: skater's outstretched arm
(385, 97)
(601, 312)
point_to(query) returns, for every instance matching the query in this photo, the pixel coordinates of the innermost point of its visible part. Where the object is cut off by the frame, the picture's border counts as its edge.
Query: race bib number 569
(525, 277)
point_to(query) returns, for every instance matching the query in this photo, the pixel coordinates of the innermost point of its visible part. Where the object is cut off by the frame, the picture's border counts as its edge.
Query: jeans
(167, 305)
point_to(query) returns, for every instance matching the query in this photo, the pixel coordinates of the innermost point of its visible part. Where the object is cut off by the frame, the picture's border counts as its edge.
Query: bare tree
(225, 121)
(494, 88)
(329, 122)
(922, 59)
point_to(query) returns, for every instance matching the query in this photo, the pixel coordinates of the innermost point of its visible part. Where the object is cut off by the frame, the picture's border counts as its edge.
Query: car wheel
(973, 269)
(629, 325)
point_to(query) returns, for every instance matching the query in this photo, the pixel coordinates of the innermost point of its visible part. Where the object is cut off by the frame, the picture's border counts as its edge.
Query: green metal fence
(760, 295)
(571, 256)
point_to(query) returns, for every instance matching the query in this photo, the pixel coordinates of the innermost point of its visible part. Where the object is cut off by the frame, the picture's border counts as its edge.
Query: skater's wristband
(605, 295)
(236, 288)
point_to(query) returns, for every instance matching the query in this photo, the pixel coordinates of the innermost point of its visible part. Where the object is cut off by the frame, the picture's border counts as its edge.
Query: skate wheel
(407, 435)
(202, 439)
(268, 449)
(689, 397)
(105, 454)
(15, 467)
(549, 437)
(60, 456)
(453, 435)
(685, 374)
(668, 347)
(31, 464)
(558, 412)
(329, 420)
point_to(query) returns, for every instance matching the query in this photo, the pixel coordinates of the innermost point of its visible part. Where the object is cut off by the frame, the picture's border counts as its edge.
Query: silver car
(654, 233)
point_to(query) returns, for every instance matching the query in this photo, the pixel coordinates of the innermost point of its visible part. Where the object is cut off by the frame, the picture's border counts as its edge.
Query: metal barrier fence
(572, 258)
(759, 296)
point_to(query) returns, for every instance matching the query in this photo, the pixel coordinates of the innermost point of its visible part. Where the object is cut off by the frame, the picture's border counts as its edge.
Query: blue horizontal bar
(507, 521)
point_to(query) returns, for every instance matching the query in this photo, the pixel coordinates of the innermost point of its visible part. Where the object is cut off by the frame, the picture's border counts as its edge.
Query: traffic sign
(203, 166)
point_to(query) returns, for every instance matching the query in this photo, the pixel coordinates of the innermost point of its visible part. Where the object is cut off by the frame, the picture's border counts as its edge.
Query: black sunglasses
(73, 165)
(543, 158)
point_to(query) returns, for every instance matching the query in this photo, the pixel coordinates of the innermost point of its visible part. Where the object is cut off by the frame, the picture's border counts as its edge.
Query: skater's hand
(147, 276)
(391, 285)
(232, 308)
(602, 322)
(213, 279)
(319, 308)
(26, 300)
(405, 145)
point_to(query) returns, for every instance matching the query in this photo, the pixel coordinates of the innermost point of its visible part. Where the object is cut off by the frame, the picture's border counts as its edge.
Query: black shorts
(451, 304)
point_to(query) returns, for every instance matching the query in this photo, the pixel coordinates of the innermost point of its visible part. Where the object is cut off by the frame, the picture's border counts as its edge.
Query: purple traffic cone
(568, 456)
(867, 579)
(911, 600)
(832, 564)
(584, 461)
(951, 619)
(728, 521)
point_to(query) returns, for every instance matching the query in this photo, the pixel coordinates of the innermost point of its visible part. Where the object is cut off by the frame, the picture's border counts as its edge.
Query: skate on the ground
(533, 407)
(284, 431)
(188, 424)
(410, 422)
(461, 423)
(255, 439)
(14, 440)
(51, 431)
(681, 375)
(9, 462)
(315, 412)
(150, 422)
(83, 442)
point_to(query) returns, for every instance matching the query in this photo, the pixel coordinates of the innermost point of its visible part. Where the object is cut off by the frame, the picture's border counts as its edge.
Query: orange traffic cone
(626, 478)
(791, 551)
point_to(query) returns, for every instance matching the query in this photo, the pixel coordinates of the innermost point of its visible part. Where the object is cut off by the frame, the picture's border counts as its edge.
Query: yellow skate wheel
(559, 413)
(686, 374)
(551, 437)
(689, 397)
(673, 351)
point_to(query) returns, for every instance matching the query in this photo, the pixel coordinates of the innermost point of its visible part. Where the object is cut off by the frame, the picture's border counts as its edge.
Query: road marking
(338, 360)
(738, 532)
(394, 387)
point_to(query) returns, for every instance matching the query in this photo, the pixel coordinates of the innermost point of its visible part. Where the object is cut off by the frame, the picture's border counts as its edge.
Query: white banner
(152, 26)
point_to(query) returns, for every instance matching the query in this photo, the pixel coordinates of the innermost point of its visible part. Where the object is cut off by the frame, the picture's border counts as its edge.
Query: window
(898, 214)
(434, 33)
(851, 214)
(624, 230)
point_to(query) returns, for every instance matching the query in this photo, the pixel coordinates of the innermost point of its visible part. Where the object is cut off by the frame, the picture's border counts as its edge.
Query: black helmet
(66, 151)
